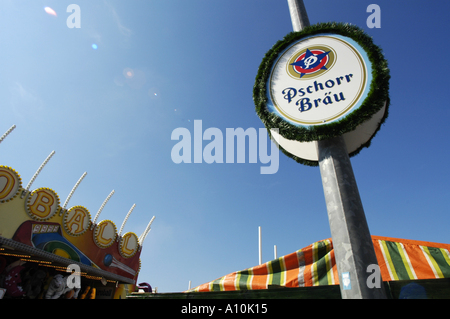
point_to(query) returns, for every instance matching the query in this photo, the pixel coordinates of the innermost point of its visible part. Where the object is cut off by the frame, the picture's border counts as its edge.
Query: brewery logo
(312, 62)
(318, 80)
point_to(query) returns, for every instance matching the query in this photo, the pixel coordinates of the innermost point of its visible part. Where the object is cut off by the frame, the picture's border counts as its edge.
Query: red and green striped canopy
(314, 265)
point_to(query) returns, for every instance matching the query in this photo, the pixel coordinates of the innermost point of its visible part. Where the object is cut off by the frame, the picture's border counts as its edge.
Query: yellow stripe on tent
(388, 260)
(283, 271)
(406, 261)
(446, 255)
(330, 274)
(434, 266)
(314, 274)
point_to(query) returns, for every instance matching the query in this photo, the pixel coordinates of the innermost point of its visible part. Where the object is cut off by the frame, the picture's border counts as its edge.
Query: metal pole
(352, 243)
(299, 16)
(260, 245)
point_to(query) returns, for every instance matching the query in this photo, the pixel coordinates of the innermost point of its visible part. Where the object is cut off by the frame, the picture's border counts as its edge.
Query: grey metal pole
(260, 245)
(352, 243)
(299, 17)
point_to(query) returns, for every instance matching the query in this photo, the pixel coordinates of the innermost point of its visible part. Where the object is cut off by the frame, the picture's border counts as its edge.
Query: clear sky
(159, 65)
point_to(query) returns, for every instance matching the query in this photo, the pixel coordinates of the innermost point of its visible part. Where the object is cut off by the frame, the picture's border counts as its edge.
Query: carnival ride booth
(50, 252)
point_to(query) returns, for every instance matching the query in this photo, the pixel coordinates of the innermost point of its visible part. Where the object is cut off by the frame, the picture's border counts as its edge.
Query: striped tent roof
(314, 265)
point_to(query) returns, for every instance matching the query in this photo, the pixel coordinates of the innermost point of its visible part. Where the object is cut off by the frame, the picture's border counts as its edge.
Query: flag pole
(260, 245)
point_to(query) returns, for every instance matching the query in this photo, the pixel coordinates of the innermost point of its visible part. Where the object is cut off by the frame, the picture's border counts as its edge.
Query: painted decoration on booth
(42, 204)
(76, 220)
(38, 221)
(10, 183)
(319, 80)
(105, 234)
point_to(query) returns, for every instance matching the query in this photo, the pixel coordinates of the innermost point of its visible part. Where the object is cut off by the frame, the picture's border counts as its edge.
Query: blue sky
(200, 57)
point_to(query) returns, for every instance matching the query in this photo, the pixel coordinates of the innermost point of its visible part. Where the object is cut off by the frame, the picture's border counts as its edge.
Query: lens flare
(50, 11)
(128, 73)
(154, 93)
(95, 46)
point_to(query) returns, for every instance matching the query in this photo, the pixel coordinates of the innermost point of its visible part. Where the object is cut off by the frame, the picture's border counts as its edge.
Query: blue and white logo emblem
(312, 62)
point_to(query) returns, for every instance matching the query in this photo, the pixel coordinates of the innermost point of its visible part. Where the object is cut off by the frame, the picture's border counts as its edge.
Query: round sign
(42, 204)
(105, 234)
(325, 81)
(318, 80)
(10, 183)
(129, 245)
(76, 220)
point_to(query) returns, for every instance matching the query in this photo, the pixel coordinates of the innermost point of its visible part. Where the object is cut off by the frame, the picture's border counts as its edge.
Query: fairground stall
(48, 251)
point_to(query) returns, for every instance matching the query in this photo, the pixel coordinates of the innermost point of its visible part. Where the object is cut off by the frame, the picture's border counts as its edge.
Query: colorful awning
(314, 265)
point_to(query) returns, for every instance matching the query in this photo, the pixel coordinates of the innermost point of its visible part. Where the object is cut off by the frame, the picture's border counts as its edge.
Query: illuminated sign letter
(105, 234)
(128, 245)
(77, 220)
(9, 183)
(42, 204)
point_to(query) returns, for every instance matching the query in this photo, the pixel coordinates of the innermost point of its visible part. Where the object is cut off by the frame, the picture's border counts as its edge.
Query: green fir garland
(377, 97)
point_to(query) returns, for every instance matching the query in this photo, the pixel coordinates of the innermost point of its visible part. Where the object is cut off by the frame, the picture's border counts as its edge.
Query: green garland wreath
(377, 97)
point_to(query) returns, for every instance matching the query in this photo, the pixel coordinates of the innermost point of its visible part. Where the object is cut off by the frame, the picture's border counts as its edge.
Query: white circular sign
(318, 80)
(105, 234)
